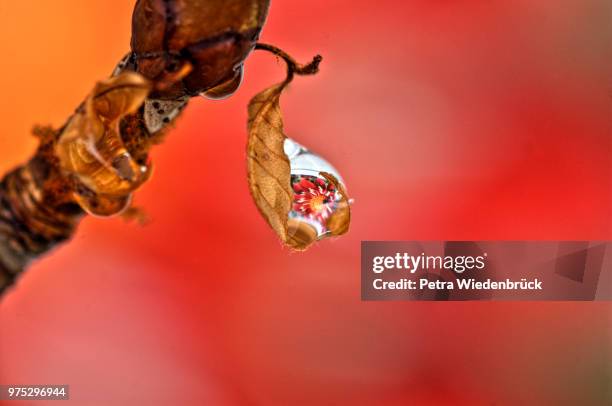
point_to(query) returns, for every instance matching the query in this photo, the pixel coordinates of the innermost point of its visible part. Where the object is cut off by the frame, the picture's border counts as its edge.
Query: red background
(448, 120)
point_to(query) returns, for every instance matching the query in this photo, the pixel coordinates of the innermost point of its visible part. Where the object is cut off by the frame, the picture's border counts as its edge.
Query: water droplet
(122, 164)
(318, 194)
(226, 89)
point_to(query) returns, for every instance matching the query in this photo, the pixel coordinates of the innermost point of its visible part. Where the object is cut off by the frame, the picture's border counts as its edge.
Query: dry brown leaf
(300, 235)
(269, 172)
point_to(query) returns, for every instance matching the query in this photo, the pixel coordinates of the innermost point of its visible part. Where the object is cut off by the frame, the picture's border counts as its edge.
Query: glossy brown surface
(91, 151)
(214, 36)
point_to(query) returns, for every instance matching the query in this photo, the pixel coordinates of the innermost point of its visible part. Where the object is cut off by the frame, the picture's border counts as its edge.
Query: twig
(293, 67)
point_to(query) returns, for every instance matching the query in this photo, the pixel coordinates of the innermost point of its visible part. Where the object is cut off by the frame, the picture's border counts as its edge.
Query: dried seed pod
(214, 36)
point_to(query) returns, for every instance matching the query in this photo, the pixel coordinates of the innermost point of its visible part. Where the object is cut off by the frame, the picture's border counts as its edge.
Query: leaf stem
(293, 67)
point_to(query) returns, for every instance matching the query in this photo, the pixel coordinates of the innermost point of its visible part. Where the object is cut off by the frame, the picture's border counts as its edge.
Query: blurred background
(448, 120)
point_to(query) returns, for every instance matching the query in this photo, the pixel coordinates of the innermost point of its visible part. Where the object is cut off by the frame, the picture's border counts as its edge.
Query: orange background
(447, 119)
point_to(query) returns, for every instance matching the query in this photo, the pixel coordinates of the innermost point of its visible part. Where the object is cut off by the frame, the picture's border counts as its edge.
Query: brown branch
(43, 201)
